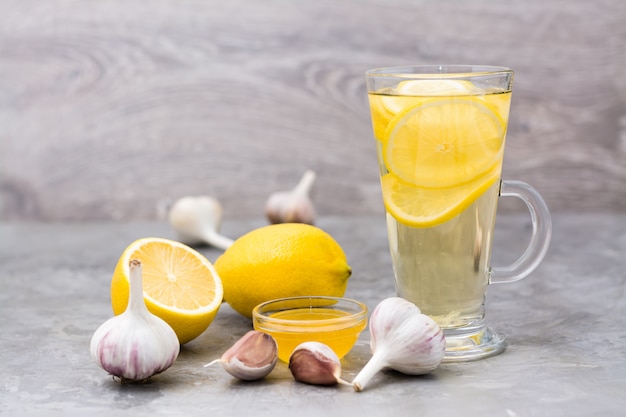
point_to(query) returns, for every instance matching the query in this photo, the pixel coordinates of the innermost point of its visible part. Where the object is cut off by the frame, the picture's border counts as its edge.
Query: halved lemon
(418, 206)
(179, 284)
(443, 142)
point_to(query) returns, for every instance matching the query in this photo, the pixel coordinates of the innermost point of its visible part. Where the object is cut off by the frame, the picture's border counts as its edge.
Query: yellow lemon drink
(440, 146)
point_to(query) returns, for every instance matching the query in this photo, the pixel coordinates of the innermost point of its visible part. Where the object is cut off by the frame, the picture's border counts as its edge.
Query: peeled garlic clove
(403, 339)
(136, 344)
(293, 206)
(252, 357)
(198, 219)
(315, 363)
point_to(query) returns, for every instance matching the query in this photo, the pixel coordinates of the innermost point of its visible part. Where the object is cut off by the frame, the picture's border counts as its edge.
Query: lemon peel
(282, 260)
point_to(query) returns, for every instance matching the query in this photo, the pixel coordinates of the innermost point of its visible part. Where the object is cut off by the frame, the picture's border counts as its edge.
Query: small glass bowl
(334, 321)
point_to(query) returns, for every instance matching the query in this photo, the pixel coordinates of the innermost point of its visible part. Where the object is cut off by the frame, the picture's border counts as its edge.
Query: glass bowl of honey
(334, 321)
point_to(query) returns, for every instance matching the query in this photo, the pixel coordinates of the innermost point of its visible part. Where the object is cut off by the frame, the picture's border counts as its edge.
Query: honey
(336, 328)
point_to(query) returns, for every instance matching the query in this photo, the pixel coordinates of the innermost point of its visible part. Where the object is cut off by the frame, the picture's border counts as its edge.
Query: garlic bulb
(252, 357)
(136, 344)
(198, 219)
(315, 363)
(293, 206)
(403, 339)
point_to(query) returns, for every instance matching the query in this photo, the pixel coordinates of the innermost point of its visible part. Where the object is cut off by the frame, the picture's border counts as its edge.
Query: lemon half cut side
(180, 285)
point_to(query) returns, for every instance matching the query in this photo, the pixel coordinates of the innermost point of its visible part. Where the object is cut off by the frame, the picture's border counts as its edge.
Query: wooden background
(110, 109)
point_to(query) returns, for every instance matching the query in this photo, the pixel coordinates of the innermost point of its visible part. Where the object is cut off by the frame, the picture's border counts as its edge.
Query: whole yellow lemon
(282, 260)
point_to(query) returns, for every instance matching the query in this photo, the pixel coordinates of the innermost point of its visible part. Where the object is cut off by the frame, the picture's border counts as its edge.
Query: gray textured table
(566, 328)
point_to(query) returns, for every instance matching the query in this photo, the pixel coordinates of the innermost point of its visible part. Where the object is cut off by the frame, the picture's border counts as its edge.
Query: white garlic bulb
(136, 344)
(403, 339)
(252, 357)
(197, 219)
(293, 206)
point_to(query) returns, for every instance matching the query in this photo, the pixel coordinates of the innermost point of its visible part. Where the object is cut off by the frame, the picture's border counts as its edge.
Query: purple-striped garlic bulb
(294, 206)
(403, 339)
(136, 344)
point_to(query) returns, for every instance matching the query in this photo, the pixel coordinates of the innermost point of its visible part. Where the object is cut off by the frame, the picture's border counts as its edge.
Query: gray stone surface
(566, 328)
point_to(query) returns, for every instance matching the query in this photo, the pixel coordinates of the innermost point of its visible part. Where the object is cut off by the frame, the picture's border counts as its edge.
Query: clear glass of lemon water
(440, 133)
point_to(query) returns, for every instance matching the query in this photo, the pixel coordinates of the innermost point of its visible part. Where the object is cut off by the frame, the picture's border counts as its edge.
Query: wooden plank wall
(110, 109)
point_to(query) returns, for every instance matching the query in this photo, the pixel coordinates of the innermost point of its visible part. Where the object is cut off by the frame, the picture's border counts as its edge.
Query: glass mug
(440, 133)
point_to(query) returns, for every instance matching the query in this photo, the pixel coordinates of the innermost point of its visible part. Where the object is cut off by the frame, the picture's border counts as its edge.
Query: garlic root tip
(206, 365)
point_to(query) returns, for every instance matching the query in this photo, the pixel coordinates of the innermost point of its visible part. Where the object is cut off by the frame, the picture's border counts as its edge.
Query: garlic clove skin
(251, 358)
(136, 344)
(293, 206)
(403, 339)
(315, 363)
(198, 219)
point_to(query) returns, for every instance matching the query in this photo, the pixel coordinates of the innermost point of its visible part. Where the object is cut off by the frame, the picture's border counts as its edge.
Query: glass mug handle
(539, 240)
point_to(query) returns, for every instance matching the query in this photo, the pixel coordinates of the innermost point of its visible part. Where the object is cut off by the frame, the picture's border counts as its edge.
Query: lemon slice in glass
(444, 141)
(386, 104)
(426, 207)
(385, 107)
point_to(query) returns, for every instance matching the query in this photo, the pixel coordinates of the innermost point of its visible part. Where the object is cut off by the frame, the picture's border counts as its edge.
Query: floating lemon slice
(430, 88)
(444, 141)
(385, 107)
(426, 207)
(386, 104)
(180, 285)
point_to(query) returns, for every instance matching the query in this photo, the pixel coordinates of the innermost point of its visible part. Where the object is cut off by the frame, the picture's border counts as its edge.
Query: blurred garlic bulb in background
(198, 219)
(293, 206)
